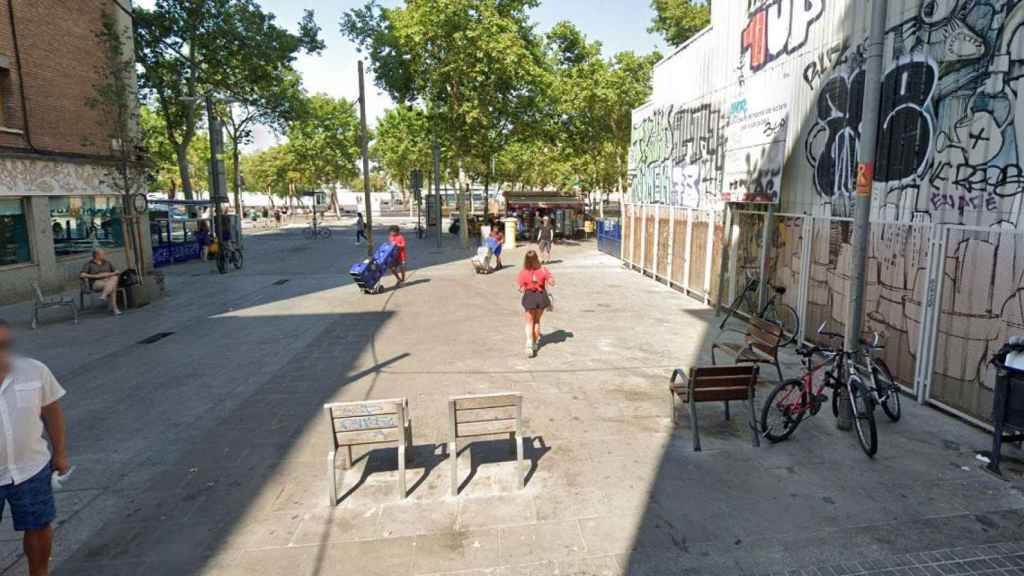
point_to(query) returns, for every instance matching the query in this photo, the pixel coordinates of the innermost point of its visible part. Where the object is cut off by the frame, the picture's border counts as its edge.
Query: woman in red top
(533, 281)
(396, 238)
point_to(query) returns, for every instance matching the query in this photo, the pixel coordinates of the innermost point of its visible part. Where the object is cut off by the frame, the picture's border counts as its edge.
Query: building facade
(57, 201)
(765, 107)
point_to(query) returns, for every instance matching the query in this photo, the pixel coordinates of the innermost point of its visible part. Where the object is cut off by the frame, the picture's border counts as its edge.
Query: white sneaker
(530, 352)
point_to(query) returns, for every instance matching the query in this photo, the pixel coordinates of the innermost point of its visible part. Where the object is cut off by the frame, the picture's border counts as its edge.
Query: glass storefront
(14, 243)
(82, 223)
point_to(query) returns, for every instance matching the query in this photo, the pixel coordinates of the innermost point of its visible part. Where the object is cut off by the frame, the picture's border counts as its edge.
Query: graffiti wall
(950, 163)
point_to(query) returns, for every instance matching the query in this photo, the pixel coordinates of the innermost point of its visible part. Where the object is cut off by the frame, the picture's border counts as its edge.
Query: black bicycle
(861, 397)
(229, 254)
(774, 310)
(884, 388)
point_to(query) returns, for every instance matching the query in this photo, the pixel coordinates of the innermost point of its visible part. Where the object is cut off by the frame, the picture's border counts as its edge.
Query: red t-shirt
(534, 280)
(399, 241)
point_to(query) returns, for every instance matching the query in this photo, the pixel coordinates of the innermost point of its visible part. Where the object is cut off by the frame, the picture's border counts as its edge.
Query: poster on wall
(756, 151)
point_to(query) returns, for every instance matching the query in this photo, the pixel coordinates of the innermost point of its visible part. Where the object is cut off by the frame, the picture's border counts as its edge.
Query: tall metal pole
(366, 162)
(437, 188)
(865, 181)
(218, 182)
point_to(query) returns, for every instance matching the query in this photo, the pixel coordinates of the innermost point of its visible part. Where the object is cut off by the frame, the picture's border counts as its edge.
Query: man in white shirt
(29, 397)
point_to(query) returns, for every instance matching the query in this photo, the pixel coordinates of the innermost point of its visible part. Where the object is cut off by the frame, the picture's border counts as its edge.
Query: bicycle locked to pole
(795, 400)
(774, 310)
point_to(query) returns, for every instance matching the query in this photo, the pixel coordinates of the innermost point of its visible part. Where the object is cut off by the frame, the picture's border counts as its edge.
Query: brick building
(56, 202)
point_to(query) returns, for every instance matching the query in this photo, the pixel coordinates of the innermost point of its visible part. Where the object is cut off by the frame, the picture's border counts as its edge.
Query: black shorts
(536, 300)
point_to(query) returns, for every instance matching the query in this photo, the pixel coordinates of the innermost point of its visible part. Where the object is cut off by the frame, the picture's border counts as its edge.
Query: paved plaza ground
(204, 452)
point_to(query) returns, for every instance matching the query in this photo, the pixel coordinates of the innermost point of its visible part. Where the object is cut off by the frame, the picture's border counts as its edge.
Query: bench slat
(486, 414)
(720, 394)
(365, 408)
(368, 437)
(485, 428)
(738, 370)
(722, 382)
(492, 401)
(366, 423)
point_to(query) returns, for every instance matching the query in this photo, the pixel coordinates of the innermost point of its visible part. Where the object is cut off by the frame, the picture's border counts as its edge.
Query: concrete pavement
(203, 453)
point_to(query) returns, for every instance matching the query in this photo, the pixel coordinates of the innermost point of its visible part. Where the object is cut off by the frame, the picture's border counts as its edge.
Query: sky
(618, 24)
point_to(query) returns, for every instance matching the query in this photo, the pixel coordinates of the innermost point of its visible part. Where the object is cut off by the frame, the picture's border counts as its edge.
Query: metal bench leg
(520, 461)
(401, 471)
(694, 425)
(753, 420)
(728, 416)
(332, 478)
(713, 361)
(453, 455)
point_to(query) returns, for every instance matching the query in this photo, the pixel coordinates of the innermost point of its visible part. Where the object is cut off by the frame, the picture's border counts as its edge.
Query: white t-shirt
(23, 393)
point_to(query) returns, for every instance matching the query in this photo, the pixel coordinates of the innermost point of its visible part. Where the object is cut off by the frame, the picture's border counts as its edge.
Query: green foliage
(402, 144)
(680, 20)
(190, 48)
(325, 141)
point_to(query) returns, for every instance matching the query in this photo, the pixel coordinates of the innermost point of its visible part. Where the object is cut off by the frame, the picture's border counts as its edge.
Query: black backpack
(128, 278)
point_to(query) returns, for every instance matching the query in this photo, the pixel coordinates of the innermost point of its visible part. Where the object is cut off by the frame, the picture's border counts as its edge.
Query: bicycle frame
(798, 406)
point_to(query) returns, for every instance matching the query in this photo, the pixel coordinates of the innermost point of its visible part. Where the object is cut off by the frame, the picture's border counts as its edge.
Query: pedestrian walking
(360, 228)
(533, 281)
(398, 268)
(499, 244)
(29, 397)
(545, 238)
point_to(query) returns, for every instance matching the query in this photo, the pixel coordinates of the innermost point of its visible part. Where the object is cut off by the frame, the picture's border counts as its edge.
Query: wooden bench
(41, 302)
(361, 423)
(485, 415)
(715, 384)
(760, 345)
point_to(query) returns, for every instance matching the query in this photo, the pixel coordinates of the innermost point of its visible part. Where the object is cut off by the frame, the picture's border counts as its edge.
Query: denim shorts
(32, 505)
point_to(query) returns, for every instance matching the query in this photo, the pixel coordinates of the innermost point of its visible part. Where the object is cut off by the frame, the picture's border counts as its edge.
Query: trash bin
(1007, 411)
(510, 233)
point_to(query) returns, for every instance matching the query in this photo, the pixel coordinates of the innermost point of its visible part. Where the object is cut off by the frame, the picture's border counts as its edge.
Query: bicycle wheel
(325, 233)
(309, 233)
(222, 261)
(887, 389)
(863, 414)
(784, 315)
(783, 411)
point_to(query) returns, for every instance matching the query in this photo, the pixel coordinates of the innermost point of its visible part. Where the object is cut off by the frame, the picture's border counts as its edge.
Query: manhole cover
(156, 337)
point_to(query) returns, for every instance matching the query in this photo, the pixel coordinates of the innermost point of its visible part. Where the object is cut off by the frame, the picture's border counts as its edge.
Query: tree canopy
(188, 49)
(680, 20)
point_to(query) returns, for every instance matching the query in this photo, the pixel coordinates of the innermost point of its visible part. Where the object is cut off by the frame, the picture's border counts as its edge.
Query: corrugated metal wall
(948, 175)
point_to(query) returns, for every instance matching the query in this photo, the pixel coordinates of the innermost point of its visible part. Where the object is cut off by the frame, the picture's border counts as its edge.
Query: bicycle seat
(780, 290)
(806, 351)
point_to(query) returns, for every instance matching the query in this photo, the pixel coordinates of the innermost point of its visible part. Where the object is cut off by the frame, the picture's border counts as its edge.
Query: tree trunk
(235, 158)
(334, 200)
(463, 216)
(181, 154)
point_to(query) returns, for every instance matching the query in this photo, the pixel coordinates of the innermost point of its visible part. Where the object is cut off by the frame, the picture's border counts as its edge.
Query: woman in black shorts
(533, 281)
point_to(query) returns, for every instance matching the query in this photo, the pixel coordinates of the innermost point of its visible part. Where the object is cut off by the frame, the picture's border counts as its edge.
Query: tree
(680, 20)
(476, 66)
(273, 105)
(188, 49)
(115, 99)
(402, 144)
(163, 165)
(325, 143)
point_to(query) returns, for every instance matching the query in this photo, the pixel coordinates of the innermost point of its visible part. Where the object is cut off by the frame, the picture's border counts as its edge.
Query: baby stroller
(482, 260)
(368, 273)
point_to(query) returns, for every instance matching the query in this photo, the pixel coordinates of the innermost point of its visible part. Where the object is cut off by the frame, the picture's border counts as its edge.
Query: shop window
(14, 244)
(83, 223)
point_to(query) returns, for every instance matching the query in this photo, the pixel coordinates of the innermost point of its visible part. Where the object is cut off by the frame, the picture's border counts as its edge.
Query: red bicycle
(795, 400)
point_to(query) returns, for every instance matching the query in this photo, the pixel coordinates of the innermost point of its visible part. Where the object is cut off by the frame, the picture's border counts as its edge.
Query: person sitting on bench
(103, 278)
